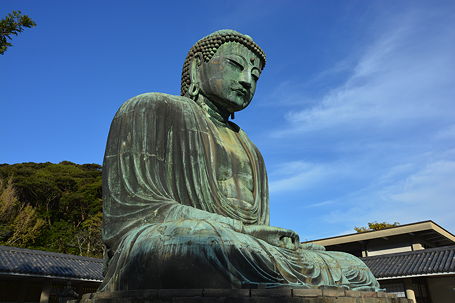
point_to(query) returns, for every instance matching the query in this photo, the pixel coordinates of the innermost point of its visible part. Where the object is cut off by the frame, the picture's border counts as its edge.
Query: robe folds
(168, 225)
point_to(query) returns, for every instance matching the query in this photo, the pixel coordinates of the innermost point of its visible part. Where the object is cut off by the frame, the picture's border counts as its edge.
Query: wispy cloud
(427, 193)
(297, 175)
(391, 124)
(406, 74)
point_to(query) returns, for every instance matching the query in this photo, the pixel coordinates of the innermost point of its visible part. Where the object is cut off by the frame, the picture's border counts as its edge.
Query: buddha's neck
(213, 110)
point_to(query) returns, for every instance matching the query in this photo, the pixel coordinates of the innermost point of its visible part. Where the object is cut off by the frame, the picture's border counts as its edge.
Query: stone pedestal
(332, 295)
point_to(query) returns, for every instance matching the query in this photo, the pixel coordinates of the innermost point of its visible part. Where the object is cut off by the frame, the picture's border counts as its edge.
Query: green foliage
(89, 236)
(19, 223)
(9, 208)
(375, 226)
(13, 24)
(59, 205)
(9, 203)
(26, 227)
(60, 237)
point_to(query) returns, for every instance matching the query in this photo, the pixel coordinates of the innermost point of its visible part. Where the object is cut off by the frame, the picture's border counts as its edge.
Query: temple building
(39, 276)
(416, 260)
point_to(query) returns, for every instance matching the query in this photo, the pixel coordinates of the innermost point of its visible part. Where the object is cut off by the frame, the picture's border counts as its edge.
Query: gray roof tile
(439, 260)
(20, 261)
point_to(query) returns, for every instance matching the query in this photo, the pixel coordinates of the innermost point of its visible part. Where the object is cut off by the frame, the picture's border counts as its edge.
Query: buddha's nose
(246, 80)
(245, 84)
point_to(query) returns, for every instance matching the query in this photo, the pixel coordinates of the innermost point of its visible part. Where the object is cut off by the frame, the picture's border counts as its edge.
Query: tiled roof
(20, 261)
(431, 261)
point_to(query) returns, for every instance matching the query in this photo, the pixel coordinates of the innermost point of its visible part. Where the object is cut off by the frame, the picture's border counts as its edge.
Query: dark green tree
(59, 206)
(13, 24)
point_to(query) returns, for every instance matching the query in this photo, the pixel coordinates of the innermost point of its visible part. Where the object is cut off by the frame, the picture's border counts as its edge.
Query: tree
(375, 226)
(9, 203)
(56, 207)
(26, 227)
(13, 24)
(9, 207)
(19, 223)
(89, 237)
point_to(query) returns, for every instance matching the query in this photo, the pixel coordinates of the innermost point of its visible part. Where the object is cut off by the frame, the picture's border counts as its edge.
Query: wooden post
(45, 292)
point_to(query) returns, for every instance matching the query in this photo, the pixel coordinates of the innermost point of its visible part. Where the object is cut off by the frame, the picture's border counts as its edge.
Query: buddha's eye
(235, 63)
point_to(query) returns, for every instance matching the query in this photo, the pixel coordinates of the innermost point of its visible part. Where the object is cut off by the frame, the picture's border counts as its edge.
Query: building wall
(411, 288)
(382, 251)
(393, 245)
(442, 289)
(20, 290)
(395, 287)
(379, 246)
(29, 289)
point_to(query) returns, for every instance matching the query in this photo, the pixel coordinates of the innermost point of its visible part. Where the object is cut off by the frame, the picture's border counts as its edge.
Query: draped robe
(167, 224)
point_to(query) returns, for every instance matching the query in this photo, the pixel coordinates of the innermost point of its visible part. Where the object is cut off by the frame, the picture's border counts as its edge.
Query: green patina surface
(185, 191)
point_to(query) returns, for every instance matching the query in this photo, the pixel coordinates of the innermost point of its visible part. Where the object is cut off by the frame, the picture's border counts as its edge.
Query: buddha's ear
(195, 67)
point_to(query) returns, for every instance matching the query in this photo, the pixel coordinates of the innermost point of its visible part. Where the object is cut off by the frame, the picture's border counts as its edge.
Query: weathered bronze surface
(185, 191)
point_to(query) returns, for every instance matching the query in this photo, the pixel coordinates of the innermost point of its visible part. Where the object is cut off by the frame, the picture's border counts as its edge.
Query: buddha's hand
(276, 236)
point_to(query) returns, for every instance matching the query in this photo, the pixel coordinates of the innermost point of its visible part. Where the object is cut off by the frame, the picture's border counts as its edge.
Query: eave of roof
(44, 276)
(388, 232)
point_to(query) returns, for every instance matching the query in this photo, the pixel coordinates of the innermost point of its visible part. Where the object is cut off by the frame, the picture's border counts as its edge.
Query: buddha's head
(224, 68)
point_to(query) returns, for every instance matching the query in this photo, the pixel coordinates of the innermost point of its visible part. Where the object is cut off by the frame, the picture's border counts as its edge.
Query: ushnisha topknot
(208, 47)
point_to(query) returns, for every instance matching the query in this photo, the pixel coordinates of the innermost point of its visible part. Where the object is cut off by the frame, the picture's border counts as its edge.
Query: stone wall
(331, 295)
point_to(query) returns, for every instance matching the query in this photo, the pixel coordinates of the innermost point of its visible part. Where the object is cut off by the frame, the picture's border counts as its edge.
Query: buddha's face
(229, 78)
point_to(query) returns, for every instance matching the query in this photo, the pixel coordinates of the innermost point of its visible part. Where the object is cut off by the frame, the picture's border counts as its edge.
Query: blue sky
(354, 112)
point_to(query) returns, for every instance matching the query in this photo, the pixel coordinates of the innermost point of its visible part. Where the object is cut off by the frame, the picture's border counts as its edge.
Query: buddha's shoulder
(156, 101)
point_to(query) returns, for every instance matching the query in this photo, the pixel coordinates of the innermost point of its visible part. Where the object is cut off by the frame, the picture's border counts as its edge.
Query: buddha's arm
(176, 211)
(276, 236)
(273, 235)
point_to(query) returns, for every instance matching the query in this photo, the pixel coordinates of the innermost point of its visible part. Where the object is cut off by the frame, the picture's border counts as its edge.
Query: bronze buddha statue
(185, 191)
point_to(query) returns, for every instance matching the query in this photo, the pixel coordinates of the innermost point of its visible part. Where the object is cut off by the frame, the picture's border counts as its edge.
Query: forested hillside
(54, 207)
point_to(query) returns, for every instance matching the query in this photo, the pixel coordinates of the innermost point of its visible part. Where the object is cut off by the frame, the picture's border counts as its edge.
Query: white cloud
(426, 194)
(297, 175)
(434, 185)
(391, 124)
(406, 76)
(446, 133)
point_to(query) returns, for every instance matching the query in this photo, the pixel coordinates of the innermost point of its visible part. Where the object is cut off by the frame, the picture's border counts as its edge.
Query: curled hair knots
(208, 46)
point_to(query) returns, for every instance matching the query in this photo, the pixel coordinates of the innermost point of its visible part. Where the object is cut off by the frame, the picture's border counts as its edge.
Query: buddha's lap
(209, 243)
(207, 254)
